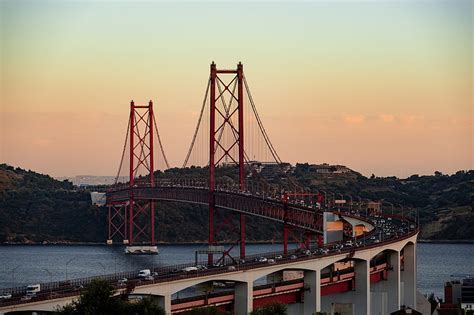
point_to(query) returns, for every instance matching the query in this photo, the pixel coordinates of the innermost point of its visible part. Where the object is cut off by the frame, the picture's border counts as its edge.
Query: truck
(144, 273)
(32, 289)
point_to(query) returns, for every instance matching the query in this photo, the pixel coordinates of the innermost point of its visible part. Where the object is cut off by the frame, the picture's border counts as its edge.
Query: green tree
(211, 310)
(97, 299)
(433, 301)
(271, 309)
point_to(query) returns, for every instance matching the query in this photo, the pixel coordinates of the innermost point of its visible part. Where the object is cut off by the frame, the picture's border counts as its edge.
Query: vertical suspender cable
(198, 123)
(123, 153)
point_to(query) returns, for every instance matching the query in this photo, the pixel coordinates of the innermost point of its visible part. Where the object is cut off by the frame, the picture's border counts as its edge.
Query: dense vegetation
(38, 208)
(97, 298)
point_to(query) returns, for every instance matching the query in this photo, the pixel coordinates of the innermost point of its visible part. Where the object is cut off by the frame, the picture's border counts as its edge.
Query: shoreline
(446, 241)
(424, 241)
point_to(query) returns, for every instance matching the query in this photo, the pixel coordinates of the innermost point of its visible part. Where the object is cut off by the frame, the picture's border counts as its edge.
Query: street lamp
(102, 265)
(13, 275)
(67, 263)
(350, 205)
(401, 206)
(50, 281)
(391, 204)
(325, 198)
(339, 205)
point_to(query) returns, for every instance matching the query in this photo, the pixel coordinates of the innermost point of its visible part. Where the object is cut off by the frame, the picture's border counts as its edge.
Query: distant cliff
(36, 208)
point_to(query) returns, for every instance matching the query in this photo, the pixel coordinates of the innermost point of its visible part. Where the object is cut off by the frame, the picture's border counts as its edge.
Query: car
(278, 257)
(122, 282)
(218, 284)
(307, 252)
(271, 261)
(201, 267)
(241, 261)
(5, 296)
(149, 278)
(231, 268)
(292, 257)
(262, 259)
(144, 273)
(28, 296)
(377, 241)
(189, 269)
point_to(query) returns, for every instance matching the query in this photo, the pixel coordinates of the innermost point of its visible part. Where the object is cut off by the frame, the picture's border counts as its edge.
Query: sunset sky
(384, 87)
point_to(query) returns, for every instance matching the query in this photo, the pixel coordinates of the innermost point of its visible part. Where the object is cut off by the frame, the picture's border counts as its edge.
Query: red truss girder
(296, 216)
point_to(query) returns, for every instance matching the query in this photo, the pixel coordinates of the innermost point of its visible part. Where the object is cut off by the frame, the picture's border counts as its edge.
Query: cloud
(354, 119)
(411, 119)
(388, 118)
(42, 142)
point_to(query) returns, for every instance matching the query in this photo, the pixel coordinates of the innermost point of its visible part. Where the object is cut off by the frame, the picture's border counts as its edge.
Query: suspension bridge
(229, 138)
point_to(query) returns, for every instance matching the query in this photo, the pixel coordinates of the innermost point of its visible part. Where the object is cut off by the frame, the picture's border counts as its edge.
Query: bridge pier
(165, 303)
(362, 287)
(312, 293)
(243, 303)
(408, 276)
(393, 282)
(333, 228)
(385, 294)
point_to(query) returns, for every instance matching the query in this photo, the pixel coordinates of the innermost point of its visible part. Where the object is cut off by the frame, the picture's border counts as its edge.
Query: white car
(122, 282)
(144, 273)
(262, 259)
(189, 269)
(5, 296)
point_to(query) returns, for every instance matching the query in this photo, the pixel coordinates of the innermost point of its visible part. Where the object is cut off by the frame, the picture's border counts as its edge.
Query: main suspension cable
(260, 124)
(160, 143)
(198, 124)
(123, 152)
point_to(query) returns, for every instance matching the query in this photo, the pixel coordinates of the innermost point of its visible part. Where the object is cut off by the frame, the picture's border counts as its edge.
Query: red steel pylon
(141, 214)
(218, 149)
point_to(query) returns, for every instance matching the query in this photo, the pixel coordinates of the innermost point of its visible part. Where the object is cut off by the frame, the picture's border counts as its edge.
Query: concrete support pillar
(408, 276)
(165, 303)
(362, 288)
(333, 228)
(393, 283)
(312, 293)
(243, 303)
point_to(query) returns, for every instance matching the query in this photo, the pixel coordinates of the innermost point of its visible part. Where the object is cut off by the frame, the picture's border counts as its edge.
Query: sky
(384, 87)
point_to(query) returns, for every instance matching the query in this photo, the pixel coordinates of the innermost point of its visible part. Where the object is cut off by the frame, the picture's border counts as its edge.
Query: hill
(36, 208)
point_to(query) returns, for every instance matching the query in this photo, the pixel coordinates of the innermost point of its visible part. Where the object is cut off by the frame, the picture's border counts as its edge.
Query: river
(26, 264)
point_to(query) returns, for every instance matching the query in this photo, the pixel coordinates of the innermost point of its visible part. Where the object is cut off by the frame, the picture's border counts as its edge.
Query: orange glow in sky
(383, 87)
